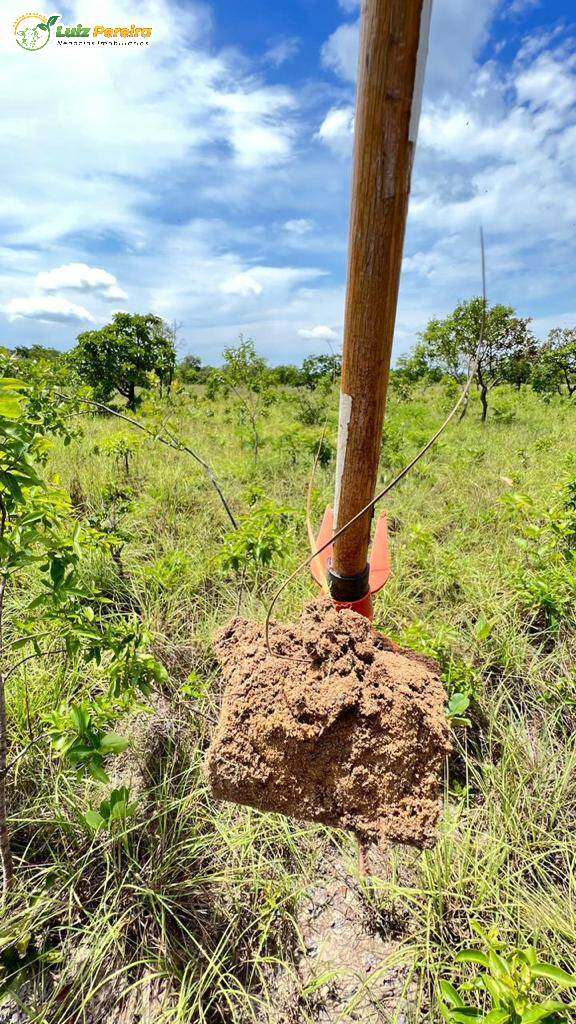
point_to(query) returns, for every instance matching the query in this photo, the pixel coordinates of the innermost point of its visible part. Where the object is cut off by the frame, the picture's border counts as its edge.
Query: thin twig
(5, 847)
(38, 739)
(29, 657)
(170, 442)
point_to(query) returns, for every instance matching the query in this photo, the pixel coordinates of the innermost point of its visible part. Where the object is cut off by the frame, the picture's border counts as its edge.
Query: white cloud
(459, 30)
(282, 50)
(548, 83)
(496, 148)
(521, 6)
(320, 333)
(109, 154)
(47, 309)
(501, 156)
(187, 184)
(300, 226)
(80, 277)
(340, 51)
(538, 41)
(114, 293)
(241, 284)
(337, 129)
(544, 324)
(508, 168)
(255, 125)
(259, 279)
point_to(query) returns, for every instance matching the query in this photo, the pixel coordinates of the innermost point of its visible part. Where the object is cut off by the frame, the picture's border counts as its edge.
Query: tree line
(136, 352)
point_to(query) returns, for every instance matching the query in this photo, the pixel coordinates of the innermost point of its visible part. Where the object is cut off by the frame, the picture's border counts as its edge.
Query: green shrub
(508, 987)
(260, 538)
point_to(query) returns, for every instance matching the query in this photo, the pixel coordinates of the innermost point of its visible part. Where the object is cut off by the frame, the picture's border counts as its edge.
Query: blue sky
(205, 177)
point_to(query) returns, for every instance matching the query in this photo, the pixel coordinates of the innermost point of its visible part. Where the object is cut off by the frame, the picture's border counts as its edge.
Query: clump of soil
(338, 726)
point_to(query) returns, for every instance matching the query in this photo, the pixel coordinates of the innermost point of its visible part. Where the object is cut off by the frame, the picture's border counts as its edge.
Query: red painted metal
(380, 566)
(363, 607)
(319, 565)
(380, 563)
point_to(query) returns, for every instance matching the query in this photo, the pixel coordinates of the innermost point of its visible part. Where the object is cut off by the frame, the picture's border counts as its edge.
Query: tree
(288, 375)
(123, 355)
(413, 368)
(42, 353)
(318, 368)
(246, 376)
(189, 369)
(37, 365)
(505, 356)
(556, 368)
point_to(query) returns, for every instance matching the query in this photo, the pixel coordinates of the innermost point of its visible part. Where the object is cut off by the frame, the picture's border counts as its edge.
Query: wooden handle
(393, 50)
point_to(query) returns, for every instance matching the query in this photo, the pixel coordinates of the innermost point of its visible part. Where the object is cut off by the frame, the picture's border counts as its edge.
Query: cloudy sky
(205, 177)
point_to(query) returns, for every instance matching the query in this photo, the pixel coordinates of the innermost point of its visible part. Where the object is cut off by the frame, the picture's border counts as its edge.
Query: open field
(187, 911)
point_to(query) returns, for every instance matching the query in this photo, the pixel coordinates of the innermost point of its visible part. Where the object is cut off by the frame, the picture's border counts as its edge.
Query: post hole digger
(329, 721)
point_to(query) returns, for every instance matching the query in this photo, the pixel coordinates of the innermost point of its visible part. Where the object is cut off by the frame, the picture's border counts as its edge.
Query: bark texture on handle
(393, 49)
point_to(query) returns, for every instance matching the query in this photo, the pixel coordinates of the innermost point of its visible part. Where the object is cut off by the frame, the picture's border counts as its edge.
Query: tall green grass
(193, 906)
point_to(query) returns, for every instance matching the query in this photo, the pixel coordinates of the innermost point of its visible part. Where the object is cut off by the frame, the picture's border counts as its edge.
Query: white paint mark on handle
(343, 422)
(420, 69)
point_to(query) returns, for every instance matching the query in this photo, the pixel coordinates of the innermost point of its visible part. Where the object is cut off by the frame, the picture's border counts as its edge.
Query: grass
(190, 908)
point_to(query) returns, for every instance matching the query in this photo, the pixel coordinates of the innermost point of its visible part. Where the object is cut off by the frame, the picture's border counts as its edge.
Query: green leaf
(10, 406)
(496, 988)
(53, 19)
(10, 482)
(497, 1016)
(77, 751)
(543, 970)
(42, 26)
(450, 995)
(498, 965)
(105, 809)
(17, 645)
(111, 743)
(52, 956)
(472, 956)
(466, 1015)
(483, 628)
(536, 1013)
(23, 943)
(476, 927)
(57, 570)
(94, 820)
(97, 772)
(325, 978)
(457, 704)
(528, 956)
(119, 811)
(79, 719)
(119, 795)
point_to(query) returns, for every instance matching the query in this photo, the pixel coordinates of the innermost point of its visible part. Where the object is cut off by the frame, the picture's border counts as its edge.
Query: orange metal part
(380, 566)
(363, 607)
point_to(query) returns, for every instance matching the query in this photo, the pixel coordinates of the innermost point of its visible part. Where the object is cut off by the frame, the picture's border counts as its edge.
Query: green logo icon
(32, 31)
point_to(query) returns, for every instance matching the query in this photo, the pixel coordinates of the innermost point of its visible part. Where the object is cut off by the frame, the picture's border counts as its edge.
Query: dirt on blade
(340, 726)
